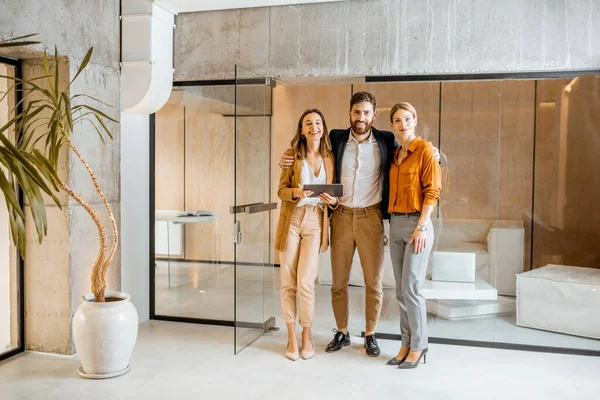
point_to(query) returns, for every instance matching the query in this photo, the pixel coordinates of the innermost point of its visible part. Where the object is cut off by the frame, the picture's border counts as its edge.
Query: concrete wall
(58, 271)
(390, 37)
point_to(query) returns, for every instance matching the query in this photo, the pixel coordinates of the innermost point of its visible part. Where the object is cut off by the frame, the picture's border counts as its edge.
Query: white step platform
(453, 266)
(480, 290)
(463, 309)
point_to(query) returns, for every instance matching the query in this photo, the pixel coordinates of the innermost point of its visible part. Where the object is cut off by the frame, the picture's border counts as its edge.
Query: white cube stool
(560, 298)
(453, 266)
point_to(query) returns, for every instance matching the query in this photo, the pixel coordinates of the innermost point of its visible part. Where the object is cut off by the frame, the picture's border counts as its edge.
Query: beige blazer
(290, 179)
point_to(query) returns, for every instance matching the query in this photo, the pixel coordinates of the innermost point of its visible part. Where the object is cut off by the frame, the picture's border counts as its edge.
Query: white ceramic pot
(104, 335)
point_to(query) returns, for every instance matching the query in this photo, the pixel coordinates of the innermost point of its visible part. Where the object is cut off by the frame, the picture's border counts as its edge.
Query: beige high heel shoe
(308, 354)
(292, 356)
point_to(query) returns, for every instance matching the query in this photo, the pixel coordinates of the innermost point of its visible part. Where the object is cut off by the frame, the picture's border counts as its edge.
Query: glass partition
(194, 146)
(213, 253)
(516, 230)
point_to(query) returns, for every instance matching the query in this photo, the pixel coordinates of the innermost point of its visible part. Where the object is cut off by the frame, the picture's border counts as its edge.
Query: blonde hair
(298, 143)
(403, 105)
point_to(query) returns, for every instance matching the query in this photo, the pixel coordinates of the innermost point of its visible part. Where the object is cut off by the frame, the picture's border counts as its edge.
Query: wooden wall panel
(169, 165)
(209, 184)
(515, 194)
(487, 137)
(253, 186)
(470, 125)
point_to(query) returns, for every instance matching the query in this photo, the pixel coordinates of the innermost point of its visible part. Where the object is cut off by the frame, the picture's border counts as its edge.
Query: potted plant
(105, 324)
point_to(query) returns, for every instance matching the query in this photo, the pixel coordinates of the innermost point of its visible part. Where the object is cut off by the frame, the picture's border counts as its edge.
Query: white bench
(560, 298)
(453, 265)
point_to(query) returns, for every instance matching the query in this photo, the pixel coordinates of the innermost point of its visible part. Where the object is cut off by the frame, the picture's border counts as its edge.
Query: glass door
(253, 249)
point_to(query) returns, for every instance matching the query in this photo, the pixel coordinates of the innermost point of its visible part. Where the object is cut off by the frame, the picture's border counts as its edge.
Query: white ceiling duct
(147, 46)
(147, 56)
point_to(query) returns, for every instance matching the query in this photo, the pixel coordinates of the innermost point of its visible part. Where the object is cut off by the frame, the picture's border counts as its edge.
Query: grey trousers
(409, 271)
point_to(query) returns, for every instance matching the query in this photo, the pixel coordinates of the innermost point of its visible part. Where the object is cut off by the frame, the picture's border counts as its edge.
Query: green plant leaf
(103, 125)
(91, 98)
(47, 70)
(56, 73)
(100, 113)
(68, 110)
(97, 130)
(18, 41)
(84, 63)
(9, 194)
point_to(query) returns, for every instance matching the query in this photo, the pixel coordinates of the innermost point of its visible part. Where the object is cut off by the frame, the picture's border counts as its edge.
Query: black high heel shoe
(395, 361)
(411, 365)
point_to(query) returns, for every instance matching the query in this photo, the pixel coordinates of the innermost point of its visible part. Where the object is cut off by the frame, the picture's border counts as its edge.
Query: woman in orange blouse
(415, 182)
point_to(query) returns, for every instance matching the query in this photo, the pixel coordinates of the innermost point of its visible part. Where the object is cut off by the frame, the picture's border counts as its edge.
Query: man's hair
(363, 97)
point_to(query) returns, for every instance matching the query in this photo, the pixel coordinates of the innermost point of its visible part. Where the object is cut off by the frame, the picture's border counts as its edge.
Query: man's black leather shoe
(339, 340)
(371, 346)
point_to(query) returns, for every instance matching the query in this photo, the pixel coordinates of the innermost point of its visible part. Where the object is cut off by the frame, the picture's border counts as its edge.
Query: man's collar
(370, 138)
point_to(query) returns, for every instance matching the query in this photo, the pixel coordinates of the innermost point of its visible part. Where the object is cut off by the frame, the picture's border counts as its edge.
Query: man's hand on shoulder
(286, 161)
(436, 152)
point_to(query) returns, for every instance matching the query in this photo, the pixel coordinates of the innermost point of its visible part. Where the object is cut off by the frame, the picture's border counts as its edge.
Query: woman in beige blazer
(303, 228)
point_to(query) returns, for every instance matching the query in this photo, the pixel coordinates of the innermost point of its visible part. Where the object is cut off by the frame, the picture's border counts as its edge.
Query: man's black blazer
(387, 145)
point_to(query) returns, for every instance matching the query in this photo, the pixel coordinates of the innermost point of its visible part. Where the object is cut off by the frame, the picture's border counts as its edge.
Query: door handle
(257, 208)
(237, 232)
(241, 208)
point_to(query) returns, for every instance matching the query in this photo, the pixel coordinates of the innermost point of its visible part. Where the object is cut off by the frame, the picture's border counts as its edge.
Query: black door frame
(152, 205)
(18, 67)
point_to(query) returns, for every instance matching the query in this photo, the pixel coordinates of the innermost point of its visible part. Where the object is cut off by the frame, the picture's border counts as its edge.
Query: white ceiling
(181, 6)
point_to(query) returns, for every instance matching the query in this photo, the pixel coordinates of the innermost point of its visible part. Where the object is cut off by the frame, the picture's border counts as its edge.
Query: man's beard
(361, 130)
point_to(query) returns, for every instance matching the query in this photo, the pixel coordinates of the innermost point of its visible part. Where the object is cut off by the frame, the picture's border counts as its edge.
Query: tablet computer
(334, 189)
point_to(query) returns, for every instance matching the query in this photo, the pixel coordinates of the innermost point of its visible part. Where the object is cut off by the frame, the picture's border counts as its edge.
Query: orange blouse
(416, 180)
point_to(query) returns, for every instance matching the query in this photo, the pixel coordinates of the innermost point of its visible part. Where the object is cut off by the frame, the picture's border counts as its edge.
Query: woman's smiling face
(312, 128)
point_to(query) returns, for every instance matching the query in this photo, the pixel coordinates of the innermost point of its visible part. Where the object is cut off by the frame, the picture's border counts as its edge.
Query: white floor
(206, 291)
(187, 361)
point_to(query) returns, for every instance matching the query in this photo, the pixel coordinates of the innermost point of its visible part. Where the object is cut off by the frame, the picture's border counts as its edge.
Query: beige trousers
(362, 229)
(299, 265)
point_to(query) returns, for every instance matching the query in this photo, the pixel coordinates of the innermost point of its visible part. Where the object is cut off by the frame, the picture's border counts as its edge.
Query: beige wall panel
(169, 158)
(289, 102)
(516, 156)
(252, 186)
(424, 96)
(487, 135)
(209, 179)
(546, 152)
(470, 134)
(209, 184)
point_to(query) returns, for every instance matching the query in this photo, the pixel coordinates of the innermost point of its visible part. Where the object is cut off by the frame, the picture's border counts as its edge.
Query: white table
(169, 233)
